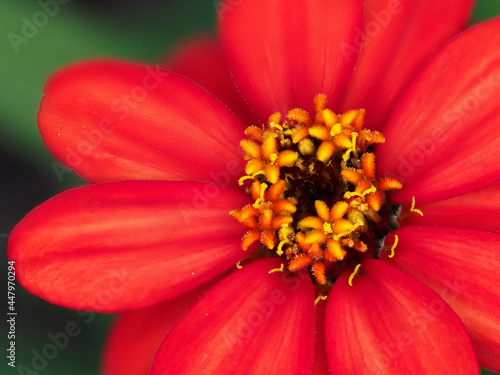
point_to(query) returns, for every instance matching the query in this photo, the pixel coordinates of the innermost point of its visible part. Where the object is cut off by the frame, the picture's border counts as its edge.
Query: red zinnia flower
(312, 200)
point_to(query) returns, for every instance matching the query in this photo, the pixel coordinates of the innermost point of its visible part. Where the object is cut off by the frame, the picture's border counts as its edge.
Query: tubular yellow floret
(347, 232)
(281, 269)
(315, 192)
(354, 274)
(392, 252)
(413, 209)
(319, 298)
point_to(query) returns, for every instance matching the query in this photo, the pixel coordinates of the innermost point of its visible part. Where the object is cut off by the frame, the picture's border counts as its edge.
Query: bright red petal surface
(123, 245)
(252, 322)
(390, 323)
(136, 335)
(399, 37)
(283, 53)
(202, 60)
(478, 209)
(461, 265)
(443, 137)
(113, 121)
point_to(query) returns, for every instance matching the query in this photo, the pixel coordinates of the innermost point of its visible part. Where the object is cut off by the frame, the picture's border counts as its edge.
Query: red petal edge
(475, 210)
(136, 335)
(202, 60)
(461, 265)
(122, 245)
(114, 121)
(252, 322)
(399, 37)
(388, 322)
(282, 53)
(443, 137)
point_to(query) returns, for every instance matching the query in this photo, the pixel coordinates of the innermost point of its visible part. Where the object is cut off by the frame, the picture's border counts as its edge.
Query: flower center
(317, 201)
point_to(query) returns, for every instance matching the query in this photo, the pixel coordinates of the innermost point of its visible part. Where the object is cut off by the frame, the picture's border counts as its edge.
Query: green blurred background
(80, 30)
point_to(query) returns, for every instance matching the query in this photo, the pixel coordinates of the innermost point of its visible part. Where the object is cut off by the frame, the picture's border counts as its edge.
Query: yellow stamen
(336, 130)
(239, 266)
(354, 227)
(263, 188)
(250, 177)
(275, 125)
(373, 189)
(281, 269)
(327, 228)
(354, 274)
(279, 251)
(319, 298)
(413, 209)
(351, 194)
(347, 154)
(354, 148)
(396, 239)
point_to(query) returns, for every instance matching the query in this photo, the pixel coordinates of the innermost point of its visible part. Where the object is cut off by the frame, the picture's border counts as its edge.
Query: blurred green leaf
(486, 9)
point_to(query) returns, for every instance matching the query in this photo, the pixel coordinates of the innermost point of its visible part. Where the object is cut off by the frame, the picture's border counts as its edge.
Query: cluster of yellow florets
(314, 187)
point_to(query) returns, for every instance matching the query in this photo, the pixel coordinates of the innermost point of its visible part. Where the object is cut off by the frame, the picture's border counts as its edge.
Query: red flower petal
(252, 322)
(136, 335)
(282, 53)
(202, 60)
(399, 37)
(114, 121)
(122, 245)
(443, 132)
(478, 209)
(462, 266)
(391, 323)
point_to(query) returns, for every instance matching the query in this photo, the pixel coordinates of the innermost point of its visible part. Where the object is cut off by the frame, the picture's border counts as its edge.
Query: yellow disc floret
(315, 194)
